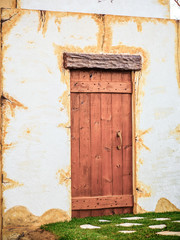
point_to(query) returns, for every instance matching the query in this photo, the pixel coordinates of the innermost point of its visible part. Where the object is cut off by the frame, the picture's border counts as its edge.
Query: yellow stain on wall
(64, 176)
(163, 112)
(176, 133)
(43, 22)
(143, 190)
(139, 139)
(9, 183)
(164, 2)
(12, 103)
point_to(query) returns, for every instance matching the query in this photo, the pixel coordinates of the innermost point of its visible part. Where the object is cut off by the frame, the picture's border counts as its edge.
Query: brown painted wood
(75, 145)
(106, 117)
(102, 61)
(96, 153)
(106, 87)
(100, 170)
(117, 157)
(99, 202)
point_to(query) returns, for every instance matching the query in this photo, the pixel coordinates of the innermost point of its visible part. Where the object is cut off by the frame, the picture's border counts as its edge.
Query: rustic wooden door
(101, 142)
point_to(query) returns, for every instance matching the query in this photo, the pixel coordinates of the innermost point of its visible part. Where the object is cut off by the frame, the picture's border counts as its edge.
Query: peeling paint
(164, 205)
(20, 216)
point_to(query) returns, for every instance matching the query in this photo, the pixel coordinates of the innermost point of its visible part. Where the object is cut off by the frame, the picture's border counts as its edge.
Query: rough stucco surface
(36, 108)
(141, 8)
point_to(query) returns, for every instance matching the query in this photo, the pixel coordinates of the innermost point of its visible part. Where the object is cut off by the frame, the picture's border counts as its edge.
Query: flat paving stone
(103, 220)
(89, 226)
(177, 221)
(126, 231)
(168, 233)
(161, 219)
(128, 224)
(133, 218)
(160, 226)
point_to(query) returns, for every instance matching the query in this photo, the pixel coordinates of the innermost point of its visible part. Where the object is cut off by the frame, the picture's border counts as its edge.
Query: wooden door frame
(121, 62)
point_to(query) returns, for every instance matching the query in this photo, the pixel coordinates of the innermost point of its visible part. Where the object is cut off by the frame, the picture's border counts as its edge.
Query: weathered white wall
(174, 10)
(141, 8)
(36, 116)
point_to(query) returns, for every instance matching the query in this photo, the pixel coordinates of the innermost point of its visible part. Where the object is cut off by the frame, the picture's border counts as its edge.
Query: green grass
(71, 230)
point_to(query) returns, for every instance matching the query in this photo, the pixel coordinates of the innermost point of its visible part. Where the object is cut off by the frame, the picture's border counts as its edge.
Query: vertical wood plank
(127, 144)
(75, 141)
(75, 147)
(126, 76)
(117, 125)
(96, 143)
(84, 176)
(127, 141)
(106, 117)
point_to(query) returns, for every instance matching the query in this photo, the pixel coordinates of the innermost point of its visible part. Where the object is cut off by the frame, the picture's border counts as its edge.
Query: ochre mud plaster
(164, 205)
(138, 209)
(8, 3)
(9, 19)
(20, 216)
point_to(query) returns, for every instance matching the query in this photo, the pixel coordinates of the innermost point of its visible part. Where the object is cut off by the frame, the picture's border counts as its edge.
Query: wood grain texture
(102, 61)
(100, 171)
(104, 87)
(101, 202)
(74, 146)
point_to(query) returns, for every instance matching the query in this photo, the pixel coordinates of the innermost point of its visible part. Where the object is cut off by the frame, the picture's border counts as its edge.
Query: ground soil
(38, 234)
